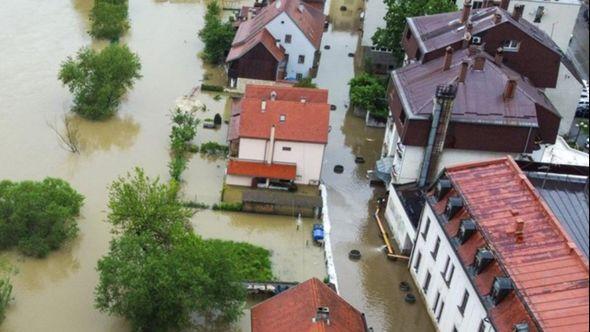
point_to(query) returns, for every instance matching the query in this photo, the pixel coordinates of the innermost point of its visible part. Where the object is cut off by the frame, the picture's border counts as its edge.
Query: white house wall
(252, 149)
(565, 98)
(307, 156)
(451, 294)
(236, 180)
(399, 223)
(283, 25)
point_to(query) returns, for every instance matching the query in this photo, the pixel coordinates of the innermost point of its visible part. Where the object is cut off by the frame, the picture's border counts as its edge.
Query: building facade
(278, 134)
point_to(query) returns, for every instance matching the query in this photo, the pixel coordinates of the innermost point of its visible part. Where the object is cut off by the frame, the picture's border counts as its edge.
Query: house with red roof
(309, 306)
(276, 42)
(278, 134)
(491, 255)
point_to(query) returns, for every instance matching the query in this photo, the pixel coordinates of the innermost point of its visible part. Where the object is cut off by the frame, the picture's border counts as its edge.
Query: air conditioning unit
(466, 230)
(483, 258)
(454, 205)
(501, 287)
(443, 186)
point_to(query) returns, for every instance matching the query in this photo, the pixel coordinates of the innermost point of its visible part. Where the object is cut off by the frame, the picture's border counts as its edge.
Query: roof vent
(273, 95)
(501, 287)
(483, 258)
(303, 100)
(454, 204)
(278, 4)
(521, 327)
(466, 230)
(443, 186)
(476, 40)
(322, 315)
(263, 105)
(301, 7)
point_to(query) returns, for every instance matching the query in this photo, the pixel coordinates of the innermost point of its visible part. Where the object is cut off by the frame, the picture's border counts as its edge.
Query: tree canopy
(368, 93)
(37, 217)
(158, 273)
(397, 11)
(98, 80)
(109, 19)
(216, 35)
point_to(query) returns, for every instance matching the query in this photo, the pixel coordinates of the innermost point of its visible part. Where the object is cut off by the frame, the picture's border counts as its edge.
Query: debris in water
(410, 298)
(354, 254)
(327, 47)
(338, 169)
(404, 286)
(351, 55)
(343, 8)
(359, 160)
(332, 107)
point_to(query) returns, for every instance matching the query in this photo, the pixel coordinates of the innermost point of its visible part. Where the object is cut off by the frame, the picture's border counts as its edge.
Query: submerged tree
(98, 80)
(216, 35)
(395, 18)
(158, 273)
(5, 289)
(109, 19)
(368, 93)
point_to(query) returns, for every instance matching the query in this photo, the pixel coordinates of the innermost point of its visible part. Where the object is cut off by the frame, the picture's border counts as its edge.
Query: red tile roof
(310, 21)
(263, 170)
(294, 309)
(303, 121)
(549, 273)
(265, 39)
(479, 99)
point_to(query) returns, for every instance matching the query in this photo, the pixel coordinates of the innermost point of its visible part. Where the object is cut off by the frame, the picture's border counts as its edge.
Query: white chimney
(271, 146)
(301, 7)
(263, 105)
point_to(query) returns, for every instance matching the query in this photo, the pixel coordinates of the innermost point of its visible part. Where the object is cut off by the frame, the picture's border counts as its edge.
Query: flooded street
(56, 293)
(370, 284)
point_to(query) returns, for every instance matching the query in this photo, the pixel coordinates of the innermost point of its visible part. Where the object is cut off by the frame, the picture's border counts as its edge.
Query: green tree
(109, 19)
(395, 18)
(5, 289)
(305, 83)
(98, 80)
(37, 217)
(216, 35)
(158, 273)
(367, 92)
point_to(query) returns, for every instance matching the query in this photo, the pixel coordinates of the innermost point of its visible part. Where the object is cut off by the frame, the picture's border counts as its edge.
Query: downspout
(441, 116)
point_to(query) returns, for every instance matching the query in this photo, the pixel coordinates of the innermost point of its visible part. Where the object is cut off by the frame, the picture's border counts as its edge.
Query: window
(288, 39)
(301, 59)
(436, 302)
(464, 303)
(286, 148)
(539, 14)
(299, 76)
(477, 4)
(444, 272)
(482, 326)
(450, 276)
(511, 45)
(417, 263)
(427, 282)
(434, 253)
(282, 118)
(442, 307)
(426, 227)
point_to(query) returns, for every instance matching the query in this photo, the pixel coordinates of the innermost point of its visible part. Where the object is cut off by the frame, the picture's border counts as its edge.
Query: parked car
(583, 111)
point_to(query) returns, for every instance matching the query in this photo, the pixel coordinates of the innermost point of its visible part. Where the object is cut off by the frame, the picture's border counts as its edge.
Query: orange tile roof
(549, 273)
(258, 169)
(293, 310)
(303, 121)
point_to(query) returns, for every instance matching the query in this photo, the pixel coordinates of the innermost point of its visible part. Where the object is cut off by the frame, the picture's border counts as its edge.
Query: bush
(176, 166)
(37, 217)
(305, 83)
(195, 205)
(368, 93)
(98, 80)
(216, 35)
(214, 149)
(109, 19)
(5, 295)
(214, 88)
(235, 207)
(184, 130)
(252, 262)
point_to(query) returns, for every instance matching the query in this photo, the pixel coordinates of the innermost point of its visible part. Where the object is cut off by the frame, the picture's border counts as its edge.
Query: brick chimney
(466, 11)
(448, 58)
(519, 233)
(463, 71)
(517, 12)
(504, 4)
(510, 89)
(497, 19)
(479, 62)
(499, 58)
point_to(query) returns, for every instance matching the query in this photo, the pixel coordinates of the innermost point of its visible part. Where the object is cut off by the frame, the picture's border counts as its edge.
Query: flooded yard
(56, 293)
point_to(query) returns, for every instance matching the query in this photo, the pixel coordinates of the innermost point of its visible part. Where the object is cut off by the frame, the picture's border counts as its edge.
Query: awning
(383, 169)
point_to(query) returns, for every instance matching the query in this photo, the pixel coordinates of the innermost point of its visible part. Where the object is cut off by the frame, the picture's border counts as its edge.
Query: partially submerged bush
(235, 207)
(5, 290)
(109, 19)
(184, 130)
(37, 217)
(99, 80)
(214, 149)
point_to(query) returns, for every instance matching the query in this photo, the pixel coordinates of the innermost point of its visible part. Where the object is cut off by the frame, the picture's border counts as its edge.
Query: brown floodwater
(56, 293)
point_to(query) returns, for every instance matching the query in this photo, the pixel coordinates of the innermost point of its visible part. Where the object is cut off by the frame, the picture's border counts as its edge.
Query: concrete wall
(300, 45)
(452, 293)
(307, 156)
(565, 98)
(399, 224)
(236, 180)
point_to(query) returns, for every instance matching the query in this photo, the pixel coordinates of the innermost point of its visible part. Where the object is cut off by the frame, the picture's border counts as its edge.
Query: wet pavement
(56, 293)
